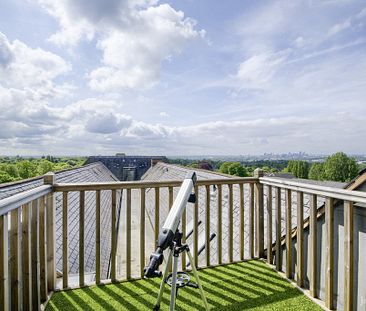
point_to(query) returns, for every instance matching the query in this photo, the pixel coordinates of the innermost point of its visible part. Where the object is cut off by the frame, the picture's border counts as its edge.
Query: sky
(183, 77)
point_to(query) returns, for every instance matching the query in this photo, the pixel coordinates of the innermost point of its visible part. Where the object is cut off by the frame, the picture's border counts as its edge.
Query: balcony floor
(250, 285)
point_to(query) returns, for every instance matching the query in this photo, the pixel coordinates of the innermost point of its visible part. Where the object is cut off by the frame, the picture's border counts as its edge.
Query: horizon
(234, 78)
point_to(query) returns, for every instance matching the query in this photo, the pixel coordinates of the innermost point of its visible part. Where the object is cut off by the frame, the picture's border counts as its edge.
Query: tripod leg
(173, 291)
(162, 284)
(197, 279)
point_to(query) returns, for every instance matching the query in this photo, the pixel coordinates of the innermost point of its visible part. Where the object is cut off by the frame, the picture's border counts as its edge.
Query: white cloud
(135, 37)
(164, 114)
(259, 69)
(34, 69)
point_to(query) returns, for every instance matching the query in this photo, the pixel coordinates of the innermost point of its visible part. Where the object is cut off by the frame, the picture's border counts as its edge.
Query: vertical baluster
(97, 236)
(348, 256)
(26, 257)
(259, 214)
(278, 230)
(170, 204)
(207, 226)
(4, 262)
(157, 215)
(15, 274)
(114, 237)
(269, 225)
(313, 246)
(184, 234)
(42, 249)
(219, 224)
(170, 197)
(65, 238)
(195, 227)
(128, 235)
(329, 223)
(231, 223)
(142, 230)
(300, 239)
(241, 215)
(36, 298)
(251, 221)
(288, 234)
(81, 237)
(49, 179)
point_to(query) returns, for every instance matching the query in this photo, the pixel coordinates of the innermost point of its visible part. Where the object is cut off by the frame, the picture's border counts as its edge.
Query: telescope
(170, 237)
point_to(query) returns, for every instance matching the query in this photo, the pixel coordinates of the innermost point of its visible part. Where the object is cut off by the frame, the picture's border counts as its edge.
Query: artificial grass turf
(250, 285)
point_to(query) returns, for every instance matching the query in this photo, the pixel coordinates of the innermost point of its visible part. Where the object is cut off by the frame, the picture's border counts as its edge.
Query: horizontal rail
(147, 184)
(13, 202)
(341, 194)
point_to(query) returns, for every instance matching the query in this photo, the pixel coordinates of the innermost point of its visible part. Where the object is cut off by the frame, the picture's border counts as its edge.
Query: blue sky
(182, 77)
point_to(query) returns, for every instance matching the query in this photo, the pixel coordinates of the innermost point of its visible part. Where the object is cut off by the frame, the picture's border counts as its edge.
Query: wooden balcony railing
(27, 231)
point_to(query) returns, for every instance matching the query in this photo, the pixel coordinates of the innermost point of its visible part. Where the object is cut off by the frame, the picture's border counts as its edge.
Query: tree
(317, 171)
(237, 169)
(5, 177)
(26, 169)
(340, 167)
(44, 166)
(299, 168)
(224, 167)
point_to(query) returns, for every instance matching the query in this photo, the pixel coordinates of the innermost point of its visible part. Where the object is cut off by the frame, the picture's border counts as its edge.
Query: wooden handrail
(19, 199)
(147, 184)
(341, 194)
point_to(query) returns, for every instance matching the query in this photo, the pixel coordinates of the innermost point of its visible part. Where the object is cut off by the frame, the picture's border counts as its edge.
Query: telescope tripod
(178, 279)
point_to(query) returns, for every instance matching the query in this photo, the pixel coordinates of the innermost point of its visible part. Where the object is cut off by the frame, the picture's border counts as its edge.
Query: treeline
(337, 167)
(17, 168)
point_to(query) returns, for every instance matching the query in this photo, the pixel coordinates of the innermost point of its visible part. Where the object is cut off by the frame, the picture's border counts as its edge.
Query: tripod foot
(156, 308)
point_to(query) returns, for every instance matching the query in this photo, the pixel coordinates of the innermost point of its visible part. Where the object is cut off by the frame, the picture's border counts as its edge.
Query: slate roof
(164, 172)
(95, 172)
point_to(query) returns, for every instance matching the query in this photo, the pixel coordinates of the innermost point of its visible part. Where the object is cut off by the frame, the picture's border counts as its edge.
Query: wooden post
(278, 230)
(142, 230)
(207, 226)
(43, 250)
(26, 256)
(241, 215)
(65, 235)
(288, 234)
(97, 236)
(269, 225)
(219, 224)
(348, 256)
(329, 270)
(313, 246)
(157, 212)
(114, 236)
(4, 264)
(184, 234)
(15, 261)
(251, 221)
(231, 223)
(81, 238)
(195, 227)
(49, 179)
(36, 291)
(259, 214)
(300, 239)
(128, 235)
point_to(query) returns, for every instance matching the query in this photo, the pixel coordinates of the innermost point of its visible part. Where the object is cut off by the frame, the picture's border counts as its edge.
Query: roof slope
(95, 172)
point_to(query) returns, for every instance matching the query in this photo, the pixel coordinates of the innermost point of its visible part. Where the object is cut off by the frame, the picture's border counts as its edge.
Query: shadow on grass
(244, 286)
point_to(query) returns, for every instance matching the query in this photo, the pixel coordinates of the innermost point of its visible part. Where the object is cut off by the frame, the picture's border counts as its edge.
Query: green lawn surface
(250, 285)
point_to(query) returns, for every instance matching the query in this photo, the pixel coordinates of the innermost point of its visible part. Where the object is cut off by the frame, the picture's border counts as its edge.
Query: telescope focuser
(156, 259)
